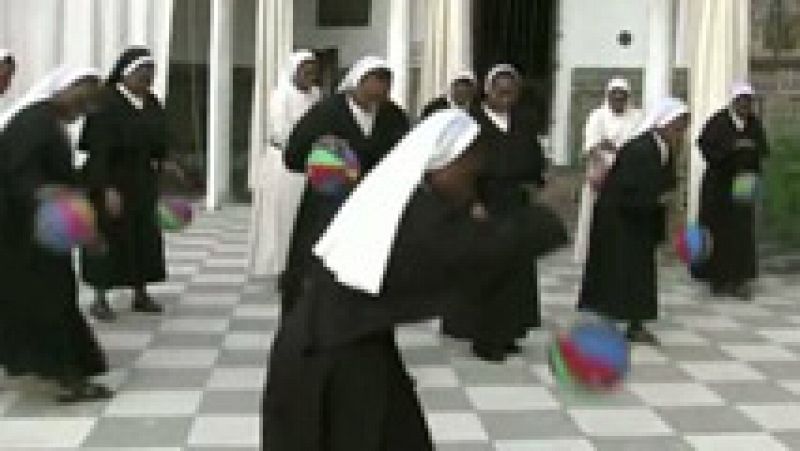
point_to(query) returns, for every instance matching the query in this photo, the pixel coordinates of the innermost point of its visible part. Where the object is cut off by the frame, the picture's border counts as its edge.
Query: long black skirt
(356, 397)
(42, 331)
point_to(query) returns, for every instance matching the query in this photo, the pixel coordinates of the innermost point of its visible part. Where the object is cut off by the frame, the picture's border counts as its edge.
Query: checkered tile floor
(727, 376)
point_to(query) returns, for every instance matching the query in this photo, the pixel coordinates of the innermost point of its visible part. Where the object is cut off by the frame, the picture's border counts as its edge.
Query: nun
(607, 129)
(461, 93)
(336, 378)
(620, 280)
(8, 66)
(514, 159)
(361, 114)
(42, 331)
(733, 143)
(278, 191)
(126, 143)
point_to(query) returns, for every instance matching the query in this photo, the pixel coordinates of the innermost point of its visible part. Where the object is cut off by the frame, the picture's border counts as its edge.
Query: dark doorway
(522, 33)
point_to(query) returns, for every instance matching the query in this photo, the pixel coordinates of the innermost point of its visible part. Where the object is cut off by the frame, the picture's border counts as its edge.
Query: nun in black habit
(460, 94)
(42, 331)
(629, 221)
(514, 159)
(403, 244)
(733, 143)
(361, 114)
(126, 141)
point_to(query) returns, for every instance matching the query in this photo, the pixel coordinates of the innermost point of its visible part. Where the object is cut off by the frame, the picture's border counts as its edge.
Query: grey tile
(166, 378)
(753, 392)
(140, 432)
(444, 399)
(230, 402)
(185, 340)
(658, 373)
(641, 444)
(778, 370)
(228, 357)
(526, 425)
(707, 420)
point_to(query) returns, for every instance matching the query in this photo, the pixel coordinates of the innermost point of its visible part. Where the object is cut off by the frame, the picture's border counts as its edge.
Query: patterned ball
(332, 167)
(64, 220)
(693, 244)
(174, 213)
(746, 187)
(592, 356)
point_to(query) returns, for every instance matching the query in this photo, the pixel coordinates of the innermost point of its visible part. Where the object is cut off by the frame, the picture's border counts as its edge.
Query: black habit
(42, 331)
(332, 116)
(336, 379)
(629, 221)
(729, 152)
(513, 159)
(125, 147)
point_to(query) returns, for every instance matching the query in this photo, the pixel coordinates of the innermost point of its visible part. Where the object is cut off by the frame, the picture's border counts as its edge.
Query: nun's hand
(173, 168)
(479, 212)
(113, 202)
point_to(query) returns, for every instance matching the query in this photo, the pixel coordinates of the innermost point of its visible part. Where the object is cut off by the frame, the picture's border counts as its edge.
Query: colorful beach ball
(745, 187)
(592, 356)
(65, 220)
(693, 244)
(332, 167)
(174, 213)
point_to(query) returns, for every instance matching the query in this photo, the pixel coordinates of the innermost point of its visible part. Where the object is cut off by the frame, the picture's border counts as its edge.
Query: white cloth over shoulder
(357, 244)
(277, 190)
(57, 81)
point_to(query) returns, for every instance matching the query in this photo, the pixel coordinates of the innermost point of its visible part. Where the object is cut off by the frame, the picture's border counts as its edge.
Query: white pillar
(219, 103)
(660, 51)
(138, 11)
(79, 34)
(461, 35)
(113, 28)
(398, 48)
(161, 36)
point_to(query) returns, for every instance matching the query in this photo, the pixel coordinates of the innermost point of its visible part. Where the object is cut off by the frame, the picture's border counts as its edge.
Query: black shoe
(742, 292)
(83, 391)
(488, 353)
(513, 348)
(143, 303)
(101, 311)
(643, 336)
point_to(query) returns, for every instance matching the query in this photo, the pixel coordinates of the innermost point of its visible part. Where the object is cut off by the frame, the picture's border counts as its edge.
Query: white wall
(351, 42)
(589, 39)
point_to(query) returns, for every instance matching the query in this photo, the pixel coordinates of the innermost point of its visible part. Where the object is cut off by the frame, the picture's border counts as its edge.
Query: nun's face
(463, 92)
(503, 93)
(743, 106)
(7, 70)
(618, 100)
(141, 80)
(374, 87)
(78, 99)
(674, 133)
(307, 75)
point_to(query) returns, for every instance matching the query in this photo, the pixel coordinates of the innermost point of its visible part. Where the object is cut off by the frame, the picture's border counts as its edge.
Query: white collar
(133, 99)
(738, 122)
(501, 120)
(364, 118)
(663, 148)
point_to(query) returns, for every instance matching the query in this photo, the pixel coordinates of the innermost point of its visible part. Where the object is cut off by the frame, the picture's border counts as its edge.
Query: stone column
(398, 48)
(660, 51)
(219, 103)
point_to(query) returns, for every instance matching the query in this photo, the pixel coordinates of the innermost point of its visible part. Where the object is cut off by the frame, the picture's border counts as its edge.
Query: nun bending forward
(407, 239)
(629, 221)
(42, 331)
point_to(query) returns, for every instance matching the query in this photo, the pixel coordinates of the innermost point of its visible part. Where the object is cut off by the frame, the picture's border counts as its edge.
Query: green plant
(782, 186)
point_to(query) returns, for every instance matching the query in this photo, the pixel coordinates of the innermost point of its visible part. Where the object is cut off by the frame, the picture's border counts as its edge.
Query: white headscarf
(357, 244)
(741, 89)
(604, 124)
(57, 81)
(464, 74)
(497, 70)
(296, 59)
(666, 110)
(360, 69)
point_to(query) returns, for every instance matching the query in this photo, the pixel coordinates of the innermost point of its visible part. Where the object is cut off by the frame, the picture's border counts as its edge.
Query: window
(343, 13)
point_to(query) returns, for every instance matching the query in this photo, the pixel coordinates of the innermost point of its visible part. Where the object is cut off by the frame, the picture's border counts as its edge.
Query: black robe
(437, 104)
(42, 331)
(514, 159)
(628, 222)
(336, 380)
(731, 223)
(124, 144)
(332, 116)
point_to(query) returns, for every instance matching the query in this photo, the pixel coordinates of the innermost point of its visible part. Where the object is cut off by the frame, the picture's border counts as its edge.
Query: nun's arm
(98, 139)
(715, 142)
(307, 131)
